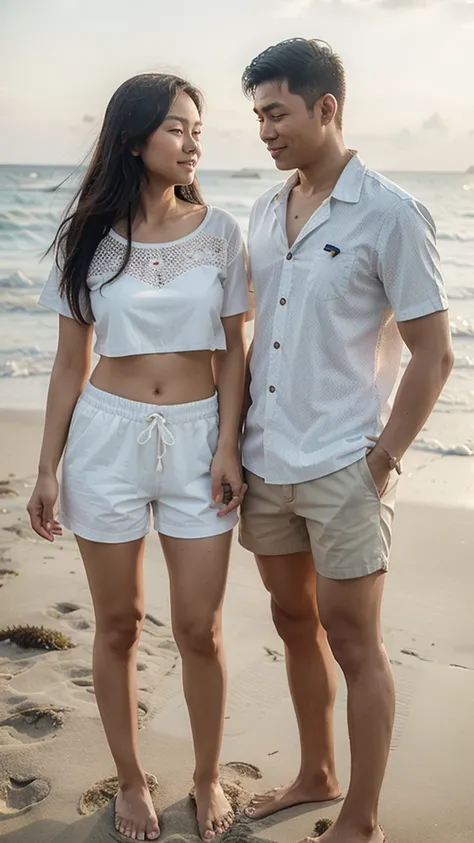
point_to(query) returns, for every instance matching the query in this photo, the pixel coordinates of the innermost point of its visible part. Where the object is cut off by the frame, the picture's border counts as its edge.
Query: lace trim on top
(158, 265)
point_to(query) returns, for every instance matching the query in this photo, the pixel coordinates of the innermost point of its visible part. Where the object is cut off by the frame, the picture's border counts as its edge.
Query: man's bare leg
(350, 611)
(291, 581)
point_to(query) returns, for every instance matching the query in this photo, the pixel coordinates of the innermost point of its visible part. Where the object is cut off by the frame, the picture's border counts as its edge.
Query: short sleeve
(52, 299)
(408, 262)
(236, 284)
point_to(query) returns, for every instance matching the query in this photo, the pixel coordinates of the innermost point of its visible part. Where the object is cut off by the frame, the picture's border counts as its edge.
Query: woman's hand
(41, 507)
(228, 487)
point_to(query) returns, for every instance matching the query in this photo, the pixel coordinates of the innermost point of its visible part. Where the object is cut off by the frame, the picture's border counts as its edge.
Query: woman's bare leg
(198, 574)
(115, 575)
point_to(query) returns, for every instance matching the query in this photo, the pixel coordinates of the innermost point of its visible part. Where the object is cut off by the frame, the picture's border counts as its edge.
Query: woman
(163, 279)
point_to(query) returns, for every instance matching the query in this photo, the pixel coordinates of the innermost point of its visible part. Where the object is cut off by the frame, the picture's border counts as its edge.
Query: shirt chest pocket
(328, 276)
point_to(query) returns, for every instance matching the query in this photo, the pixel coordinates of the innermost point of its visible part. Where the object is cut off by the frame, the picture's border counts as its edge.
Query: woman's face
(174, 149)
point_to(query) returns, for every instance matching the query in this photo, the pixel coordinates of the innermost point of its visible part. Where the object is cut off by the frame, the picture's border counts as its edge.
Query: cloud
(435, 124)
(294, 8)
(88, 118)
(300, 8)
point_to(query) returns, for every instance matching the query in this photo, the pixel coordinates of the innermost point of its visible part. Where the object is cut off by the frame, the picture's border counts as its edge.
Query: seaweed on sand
(36, 637)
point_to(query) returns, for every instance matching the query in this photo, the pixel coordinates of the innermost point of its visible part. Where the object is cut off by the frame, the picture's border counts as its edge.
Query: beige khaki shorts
(341, 518)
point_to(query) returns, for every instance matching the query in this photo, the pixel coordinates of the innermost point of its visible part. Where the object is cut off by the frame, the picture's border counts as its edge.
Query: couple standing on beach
(344, 268)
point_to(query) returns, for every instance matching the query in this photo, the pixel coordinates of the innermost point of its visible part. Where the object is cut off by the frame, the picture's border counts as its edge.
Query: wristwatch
(394, 463)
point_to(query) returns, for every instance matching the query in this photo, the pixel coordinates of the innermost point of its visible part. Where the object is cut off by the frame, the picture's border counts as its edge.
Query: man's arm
(246, 399)
(429, 341)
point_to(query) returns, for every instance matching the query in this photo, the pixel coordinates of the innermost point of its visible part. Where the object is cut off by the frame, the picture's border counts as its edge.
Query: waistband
(138, 411)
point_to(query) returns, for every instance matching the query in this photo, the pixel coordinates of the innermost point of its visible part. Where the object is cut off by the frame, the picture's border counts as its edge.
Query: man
(345, 268)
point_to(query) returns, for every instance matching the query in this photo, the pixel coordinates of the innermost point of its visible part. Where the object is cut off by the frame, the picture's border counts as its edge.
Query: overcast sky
(410, 68)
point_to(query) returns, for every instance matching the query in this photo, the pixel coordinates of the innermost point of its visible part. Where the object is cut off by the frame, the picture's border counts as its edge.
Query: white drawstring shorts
(125, 460)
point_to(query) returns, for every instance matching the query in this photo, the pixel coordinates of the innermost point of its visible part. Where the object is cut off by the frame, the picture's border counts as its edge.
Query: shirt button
(289, 256)
(271, 389)
(282, 302)
(276, 345)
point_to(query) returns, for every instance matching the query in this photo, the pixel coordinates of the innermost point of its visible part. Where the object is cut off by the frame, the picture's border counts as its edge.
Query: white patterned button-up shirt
(327, 348)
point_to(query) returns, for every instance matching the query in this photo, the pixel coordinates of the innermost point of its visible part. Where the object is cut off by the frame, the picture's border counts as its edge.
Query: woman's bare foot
(213, 810)
(296, 793)
(343, 834)
(135, 816)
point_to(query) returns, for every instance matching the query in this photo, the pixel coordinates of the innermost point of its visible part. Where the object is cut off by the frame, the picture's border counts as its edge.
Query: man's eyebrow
(266, 108)
(183, 120)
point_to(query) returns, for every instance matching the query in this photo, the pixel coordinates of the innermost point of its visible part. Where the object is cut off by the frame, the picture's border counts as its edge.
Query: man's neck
(322, 176)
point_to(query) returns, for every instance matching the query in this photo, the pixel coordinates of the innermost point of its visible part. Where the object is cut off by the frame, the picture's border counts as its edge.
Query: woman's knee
(198, 636)
(120, 630)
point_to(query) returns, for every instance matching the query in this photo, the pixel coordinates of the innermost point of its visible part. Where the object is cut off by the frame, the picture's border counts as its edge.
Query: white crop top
(170, 297)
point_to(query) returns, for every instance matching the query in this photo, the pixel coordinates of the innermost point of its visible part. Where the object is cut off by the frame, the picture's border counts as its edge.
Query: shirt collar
(347, 188)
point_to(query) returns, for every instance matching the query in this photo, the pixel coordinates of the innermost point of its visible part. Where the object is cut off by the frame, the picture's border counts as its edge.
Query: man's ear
(328, 106)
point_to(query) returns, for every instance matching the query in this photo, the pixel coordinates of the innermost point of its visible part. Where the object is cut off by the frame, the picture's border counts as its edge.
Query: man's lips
(275, 151)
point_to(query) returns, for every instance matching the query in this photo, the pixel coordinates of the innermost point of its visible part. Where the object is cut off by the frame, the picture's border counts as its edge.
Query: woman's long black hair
(112, 185)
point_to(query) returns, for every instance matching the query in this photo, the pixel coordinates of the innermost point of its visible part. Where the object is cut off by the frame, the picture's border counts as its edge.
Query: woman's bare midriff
(157, 378)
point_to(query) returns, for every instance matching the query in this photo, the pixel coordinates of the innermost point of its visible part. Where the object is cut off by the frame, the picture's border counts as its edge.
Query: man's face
(292, 134)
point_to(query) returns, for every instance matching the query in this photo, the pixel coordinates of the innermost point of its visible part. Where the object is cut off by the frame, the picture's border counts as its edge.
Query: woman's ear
(135, 152)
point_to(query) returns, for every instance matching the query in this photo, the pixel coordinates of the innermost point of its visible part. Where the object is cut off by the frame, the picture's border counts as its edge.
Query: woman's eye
(177, 131)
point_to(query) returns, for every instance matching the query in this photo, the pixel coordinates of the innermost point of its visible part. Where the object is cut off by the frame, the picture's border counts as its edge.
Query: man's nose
(268, 131)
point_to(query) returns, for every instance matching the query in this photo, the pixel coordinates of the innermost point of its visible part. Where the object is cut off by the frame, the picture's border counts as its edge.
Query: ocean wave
(25, 303)
(434, 446)
(32, 362)
(461, 293)
(16, 281)
(455, 237)
(463, 362)
(462, 327)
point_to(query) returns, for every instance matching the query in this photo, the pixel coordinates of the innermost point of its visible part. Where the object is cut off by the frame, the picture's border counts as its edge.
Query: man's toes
(208, 834)
(152, 833)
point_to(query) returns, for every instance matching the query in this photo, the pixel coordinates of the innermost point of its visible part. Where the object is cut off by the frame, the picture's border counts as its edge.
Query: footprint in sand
(231, 775)
(81, 676)
(97, 796)
(32, 723)
(66, 612)
(19, 793)
(22, 529)
(242, 768)
(7, 574)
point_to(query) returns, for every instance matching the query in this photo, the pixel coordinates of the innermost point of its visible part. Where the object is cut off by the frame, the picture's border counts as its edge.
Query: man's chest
(331, 264)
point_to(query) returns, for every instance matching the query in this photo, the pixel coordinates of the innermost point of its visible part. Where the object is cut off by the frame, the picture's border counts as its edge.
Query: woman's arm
(229, 373)
(70, 371)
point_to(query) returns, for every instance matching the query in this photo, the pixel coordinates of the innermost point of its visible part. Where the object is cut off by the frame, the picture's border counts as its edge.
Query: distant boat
(470, 171)
(246, 174)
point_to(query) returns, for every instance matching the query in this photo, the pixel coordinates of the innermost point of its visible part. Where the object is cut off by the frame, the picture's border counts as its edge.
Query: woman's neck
(158, 204)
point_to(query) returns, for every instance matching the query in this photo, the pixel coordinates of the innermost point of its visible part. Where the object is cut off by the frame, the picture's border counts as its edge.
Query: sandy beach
(53, 755)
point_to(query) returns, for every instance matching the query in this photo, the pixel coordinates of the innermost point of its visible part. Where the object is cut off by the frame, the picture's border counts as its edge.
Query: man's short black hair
(309, 67)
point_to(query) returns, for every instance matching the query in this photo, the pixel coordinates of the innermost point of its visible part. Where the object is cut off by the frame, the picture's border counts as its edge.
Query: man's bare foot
(135, 816)
(296, 793)
(339, 833)
(213, 810)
